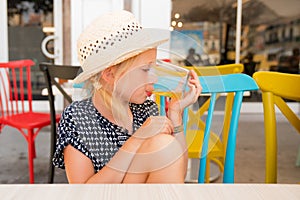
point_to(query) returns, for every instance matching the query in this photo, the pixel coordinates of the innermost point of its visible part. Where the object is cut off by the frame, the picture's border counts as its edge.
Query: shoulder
(78, 106)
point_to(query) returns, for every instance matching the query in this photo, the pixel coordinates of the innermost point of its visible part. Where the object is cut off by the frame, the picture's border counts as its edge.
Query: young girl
(115, 136)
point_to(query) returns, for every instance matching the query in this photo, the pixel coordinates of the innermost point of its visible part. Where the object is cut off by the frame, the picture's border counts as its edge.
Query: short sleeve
(66, 131)
(67, 134)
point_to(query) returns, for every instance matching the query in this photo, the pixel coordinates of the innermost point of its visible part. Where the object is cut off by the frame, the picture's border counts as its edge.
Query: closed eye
(146, 69)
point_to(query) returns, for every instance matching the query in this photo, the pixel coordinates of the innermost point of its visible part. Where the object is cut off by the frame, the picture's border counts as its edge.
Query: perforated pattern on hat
(101, 35)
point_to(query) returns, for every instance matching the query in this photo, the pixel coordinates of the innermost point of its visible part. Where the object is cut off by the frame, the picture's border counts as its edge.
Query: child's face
(137, 82)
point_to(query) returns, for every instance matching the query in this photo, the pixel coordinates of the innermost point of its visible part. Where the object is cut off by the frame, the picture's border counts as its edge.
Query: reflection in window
(27, 22)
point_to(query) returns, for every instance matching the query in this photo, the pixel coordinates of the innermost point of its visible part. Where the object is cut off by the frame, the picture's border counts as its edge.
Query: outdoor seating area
(228, 79)
(249, 158)
(105, 97)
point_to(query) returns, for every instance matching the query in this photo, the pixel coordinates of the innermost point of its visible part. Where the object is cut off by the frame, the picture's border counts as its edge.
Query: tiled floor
(249, 166)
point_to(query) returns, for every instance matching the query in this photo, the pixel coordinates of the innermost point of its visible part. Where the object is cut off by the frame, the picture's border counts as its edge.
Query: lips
(149, 93)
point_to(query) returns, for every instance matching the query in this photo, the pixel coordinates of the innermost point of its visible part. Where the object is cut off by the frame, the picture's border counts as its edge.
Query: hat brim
(143, 40)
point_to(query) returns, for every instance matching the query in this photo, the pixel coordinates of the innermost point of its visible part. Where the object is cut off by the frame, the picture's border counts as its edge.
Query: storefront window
(28, 24)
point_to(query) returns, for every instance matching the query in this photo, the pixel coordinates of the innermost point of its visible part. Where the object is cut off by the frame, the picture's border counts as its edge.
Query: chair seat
(29, 120)
(194, 140)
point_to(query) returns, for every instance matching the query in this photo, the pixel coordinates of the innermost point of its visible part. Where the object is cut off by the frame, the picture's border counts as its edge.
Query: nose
(152, 78)
(149, 89)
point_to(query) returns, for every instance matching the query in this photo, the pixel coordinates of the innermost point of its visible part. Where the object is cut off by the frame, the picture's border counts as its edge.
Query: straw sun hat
(111, 39)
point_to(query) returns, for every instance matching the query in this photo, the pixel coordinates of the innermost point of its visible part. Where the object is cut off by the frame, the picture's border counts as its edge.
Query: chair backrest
(15, 87)
(214, 85)
(280, 84)
(208, 71)
(275, 88)
(217, 147)
(214, 71)
(217, 70)
(52, 75)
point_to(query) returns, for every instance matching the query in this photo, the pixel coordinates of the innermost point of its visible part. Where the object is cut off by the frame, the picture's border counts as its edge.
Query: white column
(238, 31)
(154, 14)
(58, 25)
(3, 41)
(3, 32)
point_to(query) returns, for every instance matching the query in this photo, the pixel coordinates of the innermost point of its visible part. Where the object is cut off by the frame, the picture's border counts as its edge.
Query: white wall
(83, 12)
(3, 39)
(150, 13)
(154, 14)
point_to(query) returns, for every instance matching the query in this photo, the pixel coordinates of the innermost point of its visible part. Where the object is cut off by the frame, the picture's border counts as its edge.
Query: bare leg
(160, 159)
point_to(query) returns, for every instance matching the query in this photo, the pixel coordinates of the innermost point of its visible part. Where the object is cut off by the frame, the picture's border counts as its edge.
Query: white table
(153, 191)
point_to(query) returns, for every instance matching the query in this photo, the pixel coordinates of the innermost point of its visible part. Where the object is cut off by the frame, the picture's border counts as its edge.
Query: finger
(153, 126)
(193, 74)
(197, 85)
(195, 82)
(194, 77)
(190, 97)
(167, 125)
(195, 92)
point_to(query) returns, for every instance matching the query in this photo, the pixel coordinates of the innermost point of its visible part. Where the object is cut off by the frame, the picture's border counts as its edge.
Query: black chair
(52, 72)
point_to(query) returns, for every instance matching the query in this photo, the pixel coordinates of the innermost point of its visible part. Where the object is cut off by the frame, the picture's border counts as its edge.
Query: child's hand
(154, 125)
(176, 106)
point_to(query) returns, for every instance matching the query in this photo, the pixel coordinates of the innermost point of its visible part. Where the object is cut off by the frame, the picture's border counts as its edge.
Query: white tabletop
(153, 191)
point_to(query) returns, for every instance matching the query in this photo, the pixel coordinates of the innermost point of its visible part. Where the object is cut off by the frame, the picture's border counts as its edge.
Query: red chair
(16, 105)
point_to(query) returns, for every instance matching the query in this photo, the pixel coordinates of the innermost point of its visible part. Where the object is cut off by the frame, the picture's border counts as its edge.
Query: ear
(108, 75)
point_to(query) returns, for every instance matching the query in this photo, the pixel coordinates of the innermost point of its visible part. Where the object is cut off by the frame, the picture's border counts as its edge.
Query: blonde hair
(94, 85)
(121, 70)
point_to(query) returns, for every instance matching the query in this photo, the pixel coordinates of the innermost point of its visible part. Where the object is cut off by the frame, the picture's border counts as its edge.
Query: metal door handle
(44, 46)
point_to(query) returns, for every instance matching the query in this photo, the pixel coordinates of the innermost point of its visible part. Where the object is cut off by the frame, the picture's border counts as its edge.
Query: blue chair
(214, 85)
(195, 127)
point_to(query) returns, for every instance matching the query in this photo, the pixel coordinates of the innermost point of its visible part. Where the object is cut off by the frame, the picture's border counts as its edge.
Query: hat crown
(111, 39)
(104, 32)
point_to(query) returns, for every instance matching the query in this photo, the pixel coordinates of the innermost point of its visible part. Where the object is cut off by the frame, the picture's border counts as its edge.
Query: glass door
(28, 23)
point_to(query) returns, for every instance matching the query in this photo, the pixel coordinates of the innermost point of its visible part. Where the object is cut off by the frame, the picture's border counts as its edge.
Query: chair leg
(298, 158)
(231, 142)
(52, 151)
(33, 149)
(207, 173)
(31, 155)
(51, 172)
(270, 138)
(51, 167)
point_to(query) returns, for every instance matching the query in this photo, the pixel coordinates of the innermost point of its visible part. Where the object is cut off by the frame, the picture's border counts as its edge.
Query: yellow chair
(275, 88)
(217, 70)
(194, 137)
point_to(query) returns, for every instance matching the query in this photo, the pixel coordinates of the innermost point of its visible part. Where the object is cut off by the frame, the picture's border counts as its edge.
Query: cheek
(130, 89)
(138, 96)
(132, 83)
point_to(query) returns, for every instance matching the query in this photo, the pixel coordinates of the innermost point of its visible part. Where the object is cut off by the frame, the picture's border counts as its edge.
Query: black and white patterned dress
(83, 127)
